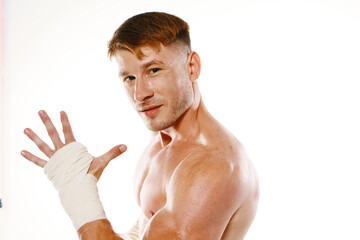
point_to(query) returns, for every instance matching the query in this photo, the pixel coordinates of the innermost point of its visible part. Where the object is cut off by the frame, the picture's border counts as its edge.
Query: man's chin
(155, 127)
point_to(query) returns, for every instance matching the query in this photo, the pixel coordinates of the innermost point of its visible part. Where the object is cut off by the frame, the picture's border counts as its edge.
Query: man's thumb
(113, 153)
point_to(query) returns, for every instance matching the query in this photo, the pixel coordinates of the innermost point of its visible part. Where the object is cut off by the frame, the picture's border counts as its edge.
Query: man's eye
(129, 79)
(154, 70)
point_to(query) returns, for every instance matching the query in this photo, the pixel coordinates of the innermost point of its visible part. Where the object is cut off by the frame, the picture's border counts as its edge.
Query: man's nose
(143, 90)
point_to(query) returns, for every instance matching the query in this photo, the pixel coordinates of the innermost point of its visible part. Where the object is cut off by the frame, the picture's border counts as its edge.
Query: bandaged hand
(67, 170)
(72, 170)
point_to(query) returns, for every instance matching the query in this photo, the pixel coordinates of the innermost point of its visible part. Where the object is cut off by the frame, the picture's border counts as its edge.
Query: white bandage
(67, 170)
(132, 234)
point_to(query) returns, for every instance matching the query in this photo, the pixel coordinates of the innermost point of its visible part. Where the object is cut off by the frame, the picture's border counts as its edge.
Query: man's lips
(150, 110)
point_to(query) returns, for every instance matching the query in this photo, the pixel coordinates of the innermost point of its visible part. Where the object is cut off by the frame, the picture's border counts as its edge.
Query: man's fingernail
(23, 153)
(122, 148)
(41, 113)
(26, 131)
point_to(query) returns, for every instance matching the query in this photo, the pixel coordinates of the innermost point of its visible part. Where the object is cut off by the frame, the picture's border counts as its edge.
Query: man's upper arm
(203, 194)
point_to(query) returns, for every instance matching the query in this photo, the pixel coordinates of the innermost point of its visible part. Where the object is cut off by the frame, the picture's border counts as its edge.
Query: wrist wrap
(67, 170)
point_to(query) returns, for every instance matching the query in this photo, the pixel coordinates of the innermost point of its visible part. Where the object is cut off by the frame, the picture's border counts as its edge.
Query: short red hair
(149, 29)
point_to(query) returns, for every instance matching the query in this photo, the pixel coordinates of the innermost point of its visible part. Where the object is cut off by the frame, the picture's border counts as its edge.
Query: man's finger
(98, 164)
(40, 143)
(54, 135)
(32, 158)
(68, 133)
(113, 153)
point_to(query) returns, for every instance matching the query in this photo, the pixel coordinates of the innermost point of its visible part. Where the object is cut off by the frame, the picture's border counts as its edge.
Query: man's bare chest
(156, 175)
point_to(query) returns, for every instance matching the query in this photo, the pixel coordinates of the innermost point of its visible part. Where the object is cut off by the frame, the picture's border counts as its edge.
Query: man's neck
(188, 127)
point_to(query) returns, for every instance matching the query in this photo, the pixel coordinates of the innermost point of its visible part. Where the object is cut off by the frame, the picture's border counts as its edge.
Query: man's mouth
(150, 111)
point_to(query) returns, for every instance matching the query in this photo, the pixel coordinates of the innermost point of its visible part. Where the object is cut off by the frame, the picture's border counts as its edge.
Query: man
(193, 181)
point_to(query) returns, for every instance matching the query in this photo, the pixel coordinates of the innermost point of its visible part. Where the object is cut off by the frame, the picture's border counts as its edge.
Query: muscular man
(194, 179)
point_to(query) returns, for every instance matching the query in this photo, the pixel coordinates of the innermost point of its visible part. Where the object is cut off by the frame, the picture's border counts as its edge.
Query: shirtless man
(194, 180)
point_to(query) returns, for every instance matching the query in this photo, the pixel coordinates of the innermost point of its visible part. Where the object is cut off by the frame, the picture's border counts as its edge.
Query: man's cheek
(129, 93)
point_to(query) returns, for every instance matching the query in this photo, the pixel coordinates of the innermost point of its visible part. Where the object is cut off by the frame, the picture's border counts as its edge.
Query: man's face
(158, 85)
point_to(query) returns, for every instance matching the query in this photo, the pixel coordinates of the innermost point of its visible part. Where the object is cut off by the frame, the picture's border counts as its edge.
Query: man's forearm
(99, 229)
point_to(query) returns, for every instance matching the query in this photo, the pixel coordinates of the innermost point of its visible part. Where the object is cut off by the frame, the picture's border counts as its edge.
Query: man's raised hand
(97, 165)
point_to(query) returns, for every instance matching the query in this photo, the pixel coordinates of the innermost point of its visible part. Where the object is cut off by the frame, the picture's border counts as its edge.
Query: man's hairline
(155, 47)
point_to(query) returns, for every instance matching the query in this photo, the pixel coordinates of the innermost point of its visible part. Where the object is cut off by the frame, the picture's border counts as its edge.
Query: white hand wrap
(132, 234)
(67, 170)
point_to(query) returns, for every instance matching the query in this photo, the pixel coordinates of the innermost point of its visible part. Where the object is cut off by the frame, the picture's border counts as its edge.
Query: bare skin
(194, 180)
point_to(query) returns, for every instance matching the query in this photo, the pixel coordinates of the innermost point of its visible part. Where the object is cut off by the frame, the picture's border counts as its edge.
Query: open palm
(98, 164)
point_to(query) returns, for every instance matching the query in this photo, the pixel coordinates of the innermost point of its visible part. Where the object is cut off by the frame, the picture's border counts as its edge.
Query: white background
(283, 76)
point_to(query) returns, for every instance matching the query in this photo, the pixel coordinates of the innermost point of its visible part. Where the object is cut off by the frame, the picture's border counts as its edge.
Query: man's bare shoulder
(213, 169)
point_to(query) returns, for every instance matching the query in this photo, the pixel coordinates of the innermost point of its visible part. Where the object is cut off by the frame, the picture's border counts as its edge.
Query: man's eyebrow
(152, 62)
(123, 73)
(143, 66)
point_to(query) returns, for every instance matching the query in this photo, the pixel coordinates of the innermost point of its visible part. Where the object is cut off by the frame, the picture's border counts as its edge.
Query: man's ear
(194, 66)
